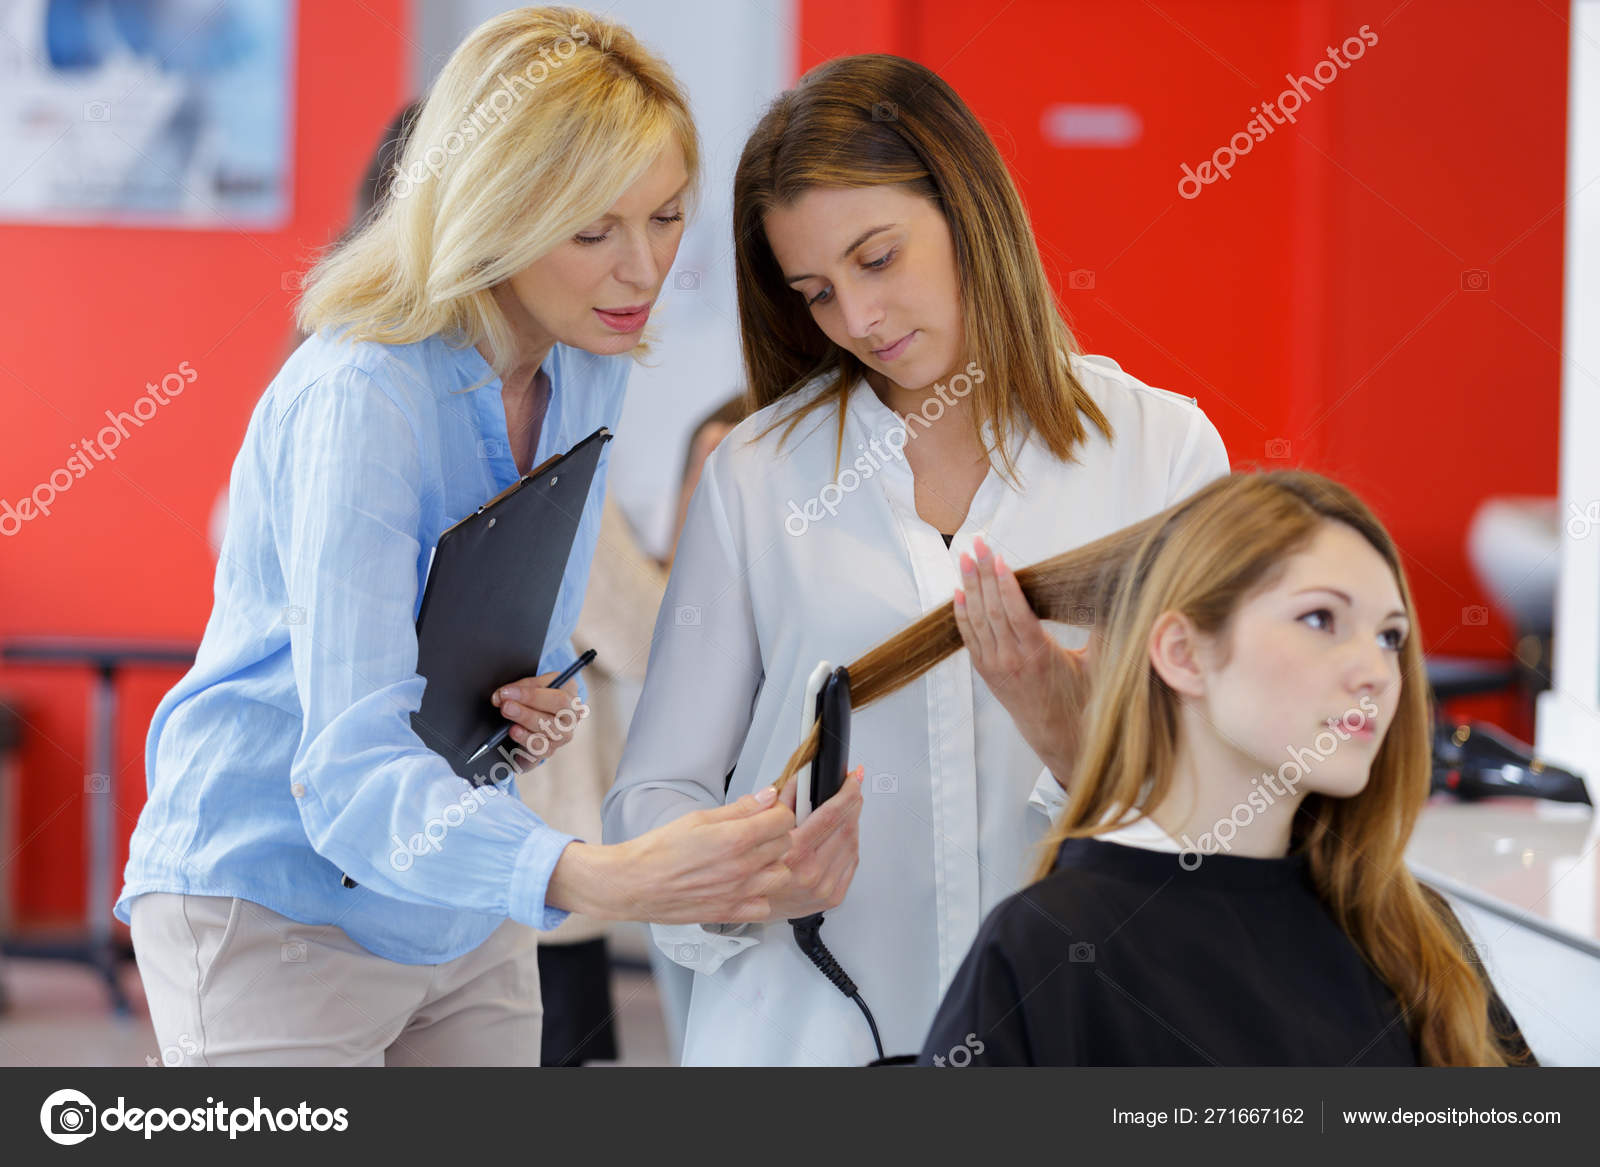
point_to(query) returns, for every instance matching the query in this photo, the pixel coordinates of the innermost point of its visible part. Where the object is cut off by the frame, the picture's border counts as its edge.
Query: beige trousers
(231, 983)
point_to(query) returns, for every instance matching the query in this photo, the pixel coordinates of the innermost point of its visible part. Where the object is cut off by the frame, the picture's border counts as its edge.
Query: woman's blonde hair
(882, 120)
(1202, 558)
(537, 124)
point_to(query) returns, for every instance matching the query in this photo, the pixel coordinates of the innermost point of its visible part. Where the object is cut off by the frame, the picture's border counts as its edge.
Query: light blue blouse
(285, 756)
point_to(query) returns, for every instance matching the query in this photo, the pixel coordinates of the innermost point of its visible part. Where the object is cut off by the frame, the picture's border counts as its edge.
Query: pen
(574, 668)
(565, 675)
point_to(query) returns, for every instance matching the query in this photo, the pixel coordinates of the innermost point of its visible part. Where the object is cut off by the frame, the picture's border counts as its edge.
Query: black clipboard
(491, 592)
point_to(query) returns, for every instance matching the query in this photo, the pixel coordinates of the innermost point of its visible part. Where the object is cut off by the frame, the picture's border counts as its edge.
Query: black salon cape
(1121, 957)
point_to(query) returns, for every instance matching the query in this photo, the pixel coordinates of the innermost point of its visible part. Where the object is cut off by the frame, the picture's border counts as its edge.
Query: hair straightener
(827, 705)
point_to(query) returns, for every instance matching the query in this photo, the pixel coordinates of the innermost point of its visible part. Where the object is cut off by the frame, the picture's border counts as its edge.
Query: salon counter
(1524, 876)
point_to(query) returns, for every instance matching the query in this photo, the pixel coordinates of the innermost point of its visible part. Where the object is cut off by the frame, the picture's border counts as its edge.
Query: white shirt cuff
(1048, 798)
(701, 948)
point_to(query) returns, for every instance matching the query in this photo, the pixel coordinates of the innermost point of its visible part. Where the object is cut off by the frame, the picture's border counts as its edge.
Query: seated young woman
(1224, 882)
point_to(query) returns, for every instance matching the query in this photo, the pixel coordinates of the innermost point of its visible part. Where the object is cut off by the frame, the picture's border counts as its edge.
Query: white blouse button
(298, 790)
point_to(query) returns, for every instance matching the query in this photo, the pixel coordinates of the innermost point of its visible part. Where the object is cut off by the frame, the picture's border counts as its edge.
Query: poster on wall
(155, 113)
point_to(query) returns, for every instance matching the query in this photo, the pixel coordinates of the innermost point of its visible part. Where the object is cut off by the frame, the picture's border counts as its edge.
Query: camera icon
(1278, 448)
(1080, 279)
(1082, 615)
(97, 784)
(294, 614)
(885, 111)
(289, 281)
(294, 952)
(73, 1119)
(885, 784)
(686, 953)
(686, 281)
(96, 111)
(1081, 953)
(686, 616)
(490, 448)
(1475, 615)
(1475, 280)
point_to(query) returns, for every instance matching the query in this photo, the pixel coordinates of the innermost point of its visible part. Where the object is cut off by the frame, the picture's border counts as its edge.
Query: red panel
(1187, 294)
(829, 30)
(90, 316)
(1438, 396)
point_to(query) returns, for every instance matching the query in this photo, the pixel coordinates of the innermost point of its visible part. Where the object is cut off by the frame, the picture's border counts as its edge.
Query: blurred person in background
(619, 613)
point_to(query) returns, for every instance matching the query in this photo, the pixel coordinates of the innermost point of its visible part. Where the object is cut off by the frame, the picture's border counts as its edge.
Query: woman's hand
(542, 719)
(709, 866)
(1040, 683)
(823, 852)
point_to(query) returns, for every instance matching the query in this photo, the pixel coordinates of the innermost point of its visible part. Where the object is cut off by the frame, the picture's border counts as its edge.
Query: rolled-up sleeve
(372, 798)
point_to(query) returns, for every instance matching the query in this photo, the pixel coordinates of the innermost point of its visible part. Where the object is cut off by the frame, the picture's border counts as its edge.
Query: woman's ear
(1175, 654)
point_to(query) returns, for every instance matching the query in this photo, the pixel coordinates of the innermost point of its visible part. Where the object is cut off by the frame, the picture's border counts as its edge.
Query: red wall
(87, 317)
(1316, 297)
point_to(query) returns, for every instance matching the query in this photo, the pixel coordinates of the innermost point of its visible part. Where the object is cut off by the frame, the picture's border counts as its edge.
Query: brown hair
(879, 120)
(1202, 557)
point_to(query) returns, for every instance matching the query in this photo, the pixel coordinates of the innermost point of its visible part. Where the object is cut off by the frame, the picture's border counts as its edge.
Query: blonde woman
(1225, 883)
(482, 320)
(916, 390)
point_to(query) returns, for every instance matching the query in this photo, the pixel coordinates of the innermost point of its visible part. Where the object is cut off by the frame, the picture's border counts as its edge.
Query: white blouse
(782, 566)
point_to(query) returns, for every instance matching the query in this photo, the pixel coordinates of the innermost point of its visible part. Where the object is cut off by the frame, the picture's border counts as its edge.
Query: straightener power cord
(827, 702)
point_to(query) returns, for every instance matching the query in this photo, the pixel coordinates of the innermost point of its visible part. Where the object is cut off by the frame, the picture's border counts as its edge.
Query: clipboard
(491, 592)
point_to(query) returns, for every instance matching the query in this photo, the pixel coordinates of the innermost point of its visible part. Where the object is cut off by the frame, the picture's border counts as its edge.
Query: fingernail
(981, 547)
(767, 795)
(961, 598)
(967, 566)
(999, 563)
(859, 773)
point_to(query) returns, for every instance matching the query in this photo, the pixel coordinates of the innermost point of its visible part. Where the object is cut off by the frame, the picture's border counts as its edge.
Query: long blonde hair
(1201, 558)
(882, 120)
(539, 121)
